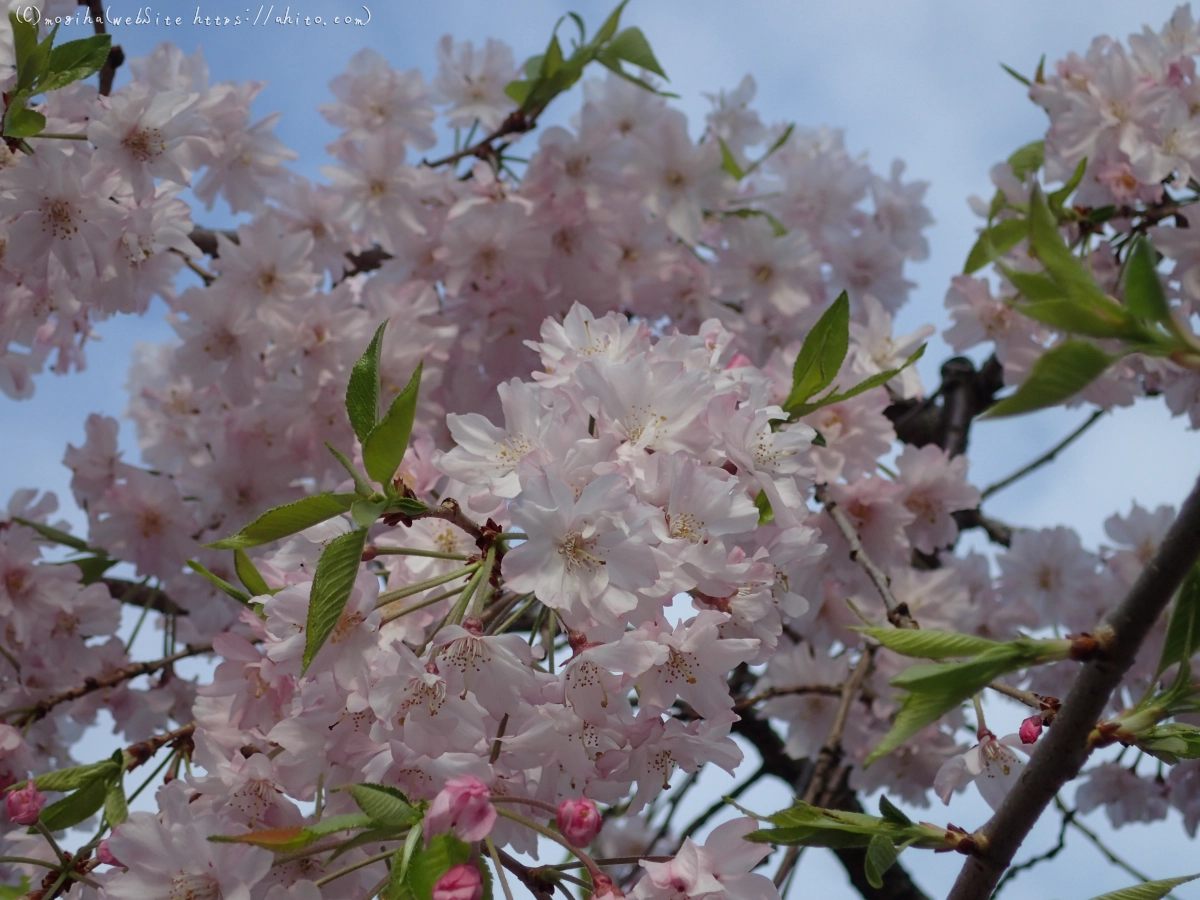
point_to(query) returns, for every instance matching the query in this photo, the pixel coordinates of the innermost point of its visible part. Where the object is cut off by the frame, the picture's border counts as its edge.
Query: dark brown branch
(945, 417)
(1060, 755)
(142, 596)
(516, 123)
(112, 679)
(143, 751)
(897, 613)
(997, 531)
(368, 260)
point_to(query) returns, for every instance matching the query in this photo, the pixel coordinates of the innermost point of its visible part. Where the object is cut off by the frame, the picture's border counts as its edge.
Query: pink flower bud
(1030, 729)
(739, 361)
(464, 805)
(462, 882)
(24, 806)
(579, 821)
(104, 855)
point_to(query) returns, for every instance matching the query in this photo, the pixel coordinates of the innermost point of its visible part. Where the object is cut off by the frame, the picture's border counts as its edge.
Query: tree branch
(116, 56)
(1046, 457)
(142, 595)
(1060, 755)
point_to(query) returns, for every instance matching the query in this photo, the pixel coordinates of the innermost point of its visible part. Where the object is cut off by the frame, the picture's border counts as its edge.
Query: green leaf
(74, 777)
(362, 390)
(1058, 375)
(877, 380)
(1171, 742)
(994, 242)
(766, 515)
(928, 644)
(15, 891)
(248, 575)
(429, 863)
(728, 163)
(385, 805)
(75, 808)
(916, 711)
(397, 888)
(1148, 890)
(1017, 75)
(1144, 296)
(552, 59)
(779, 142)
(632, 47)
(366, 510)
(21, 122)
(881, 856)
(1048, 246)
(31, 56)
(116, 808)
(74, 61)
(822, 353)
(91, 568)
(610, 26)
(518, 91)
(238, 595)
(54, 534)
(406, 506)
(1057, 198)
(891, 813)
(331, 587)
(1034, 286)
(1105, 320)
(1183, 628)
(1029, 158)
(286, 520)
(384, 447)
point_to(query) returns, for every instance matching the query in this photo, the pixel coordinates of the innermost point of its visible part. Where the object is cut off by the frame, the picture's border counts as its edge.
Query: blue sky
(907, 79)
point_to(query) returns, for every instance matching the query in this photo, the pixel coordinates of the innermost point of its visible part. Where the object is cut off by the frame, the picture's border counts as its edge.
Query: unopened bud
(579, 821)
(24, 806)
(1030, 729)
(604, 889)
(461, 882)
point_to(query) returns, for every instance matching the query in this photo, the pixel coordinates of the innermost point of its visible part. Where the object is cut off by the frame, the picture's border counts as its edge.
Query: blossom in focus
(991, 764)
(464, 805)
(579, 821)
(1030, 729)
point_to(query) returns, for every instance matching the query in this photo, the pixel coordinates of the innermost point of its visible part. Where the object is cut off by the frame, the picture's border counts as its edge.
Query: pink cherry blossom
(990, 764)
(25, 805)
(461, 882)
(579, 821)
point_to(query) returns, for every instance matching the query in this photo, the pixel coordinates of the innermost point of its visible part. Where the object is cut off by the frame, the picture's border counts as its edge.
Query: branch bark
(1062, 752)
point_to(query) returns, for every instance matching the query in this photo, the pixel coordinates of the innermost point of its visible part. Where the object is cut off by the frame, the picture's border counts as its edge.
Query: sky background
(918, 81)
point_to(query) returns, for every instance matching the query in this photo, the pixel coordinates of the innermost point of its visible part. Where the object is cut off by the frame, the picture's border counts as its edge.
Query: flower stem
(407, 591)
(499, 868)
(412, 551)
(588, 862)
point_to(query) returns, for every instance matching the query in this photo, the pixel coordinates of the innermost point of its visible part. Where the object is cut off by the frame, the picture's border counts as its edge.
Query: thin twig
(1046, 457)
(831, 752)
(833, 690)
(897, 612)
(1069, 818)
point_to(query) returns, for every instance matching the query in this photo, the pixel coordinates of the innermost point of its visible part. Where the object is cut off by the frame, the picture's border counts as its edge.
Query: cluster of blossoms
(1126, 117)
(618, 559)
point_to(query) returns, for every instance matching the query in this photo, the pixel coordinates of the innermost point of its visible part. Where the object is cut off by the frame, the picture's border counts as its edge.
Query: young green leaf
(1033, 286)
(632, 47)
(367, 510)
(78, 806)
(766, 515)
(385, 805)
(397, 888)
(1183, 628)
(1028, 158)
(1148, 890)
(223, 585)
(1101, 320)
(74, 777)
(916, 711)
(74, 61)
(994, 242)
(877, 380)
(295, 837)
(1059, 374)
(1144, 295)
(116, 808)
(891, 813)
(362, 390)
(881, 856)
(248, 575)
(927, 644)
(22, 122)
(1047, 245)
(822, 353)
(728, 163)
(56, 535)
(1057, 198)
(610, 26)
(286, 520)
(384, 447)
(429, 863)
(30, 55)
(331, 587)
